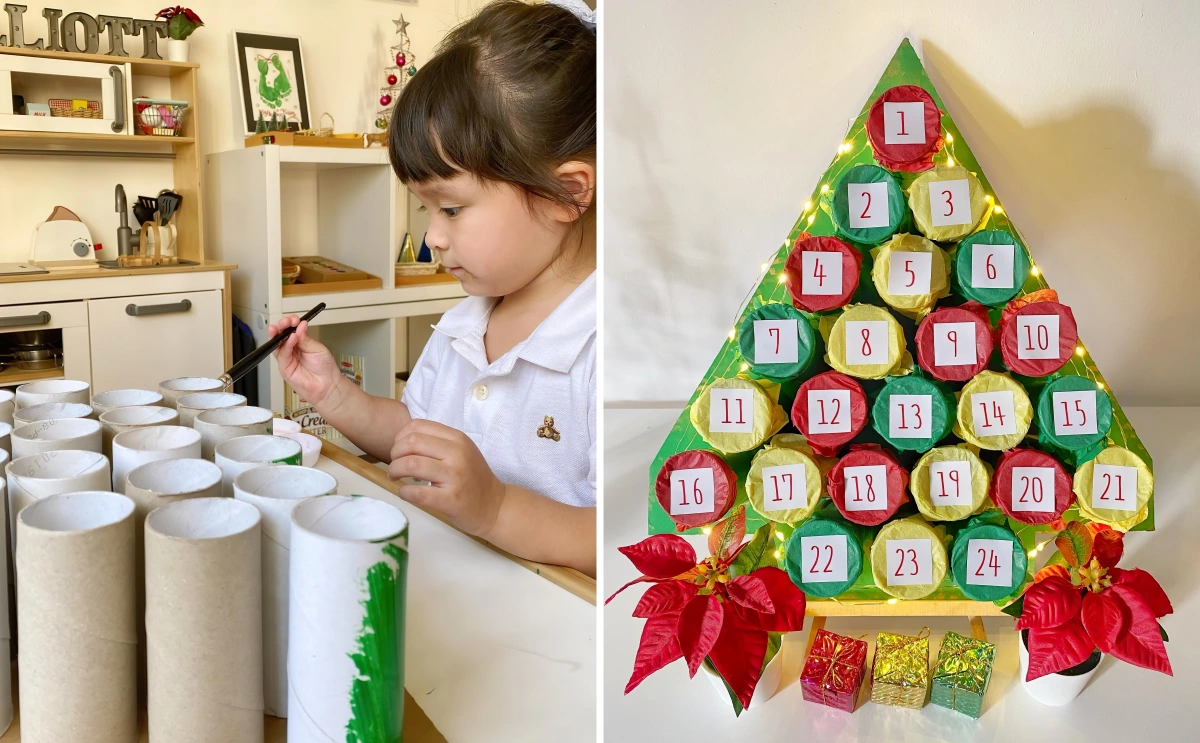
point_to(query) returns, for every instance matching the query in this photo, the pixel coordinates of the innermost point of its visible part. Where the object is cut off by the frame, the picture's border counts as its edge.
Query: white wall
(345, 47)
(720, 117)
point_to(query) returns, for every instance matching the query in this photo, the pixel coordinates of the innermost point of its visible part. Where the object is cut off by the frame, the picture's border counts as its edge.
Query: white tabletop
(493, 652)
(1122, 702)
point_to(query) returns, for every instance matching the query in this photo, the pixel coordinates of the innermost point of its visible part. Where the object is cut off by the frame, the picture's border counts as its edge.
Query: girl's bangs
(430, 135)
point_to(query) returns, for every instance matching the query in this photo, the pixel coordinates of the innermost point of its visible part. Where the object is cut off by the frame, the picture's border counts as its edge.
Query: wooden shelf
(435, 278)
(100, 142)
(14, 375)
(332, 287)
(154, 67)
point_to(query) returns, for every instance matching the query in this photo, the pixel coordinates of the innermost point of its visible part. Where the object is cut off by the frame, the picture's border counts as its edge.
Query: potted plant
(725, 613)
(181, 22)
(1080, 606)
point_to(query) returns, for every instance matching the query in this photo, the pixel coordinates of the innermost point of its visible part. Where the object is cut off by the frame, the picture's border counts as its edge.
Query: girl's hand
(305, 364)
(461, 485)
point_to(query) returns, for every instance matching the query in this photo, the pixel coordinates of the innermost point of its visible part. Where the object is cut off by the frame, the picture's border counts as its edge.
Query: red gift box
(834, 670)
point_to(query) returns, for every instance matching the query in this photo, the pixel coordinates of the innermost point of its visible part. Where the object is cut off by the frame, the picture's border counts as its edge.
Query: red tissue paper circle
(851, 267)
(827, 444)
(910, 158)
(1010, 342)
(972, 312)
(866, 455)
(1002, 486)
(724, 485)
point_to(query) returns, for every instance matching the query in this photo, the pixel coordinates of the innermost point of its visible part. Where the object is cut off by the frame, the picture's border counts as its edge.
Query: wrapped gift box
(834, 670)
(900, 674)
(962, 672)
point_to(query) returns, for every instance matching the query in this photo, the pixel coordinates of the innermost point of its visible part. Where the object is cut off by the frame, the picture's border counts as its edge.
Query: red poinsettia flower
(1093, 605)
(698, 610)
(167, 14)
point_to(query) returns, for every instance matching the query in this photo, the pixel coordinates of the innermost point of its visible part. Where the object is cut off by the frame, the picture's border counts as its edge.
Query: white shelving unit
(270, 202)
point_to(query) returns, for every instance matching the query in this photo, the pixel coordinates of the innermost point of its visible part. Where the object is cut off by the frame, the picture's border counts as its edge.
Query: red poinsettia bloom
(1093, 605)
(167, 14)
(701, 610)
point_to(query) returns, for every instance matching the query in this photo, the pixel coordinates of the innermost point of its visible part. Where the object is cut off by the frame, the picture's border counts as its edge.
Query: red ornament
(385, 99)
(401, 59)
(392, 79)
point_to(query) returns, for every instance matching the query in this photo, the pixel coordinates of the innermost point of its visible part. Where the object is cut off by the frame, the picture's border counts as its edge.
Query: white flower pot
(52, 390)
(1055, 689)
(177, 49)
(173, 389)
(221, 424)
(189, 406)
(56, 435)
(113, 399)
(768, 682)
(49, 411)
(134, 448)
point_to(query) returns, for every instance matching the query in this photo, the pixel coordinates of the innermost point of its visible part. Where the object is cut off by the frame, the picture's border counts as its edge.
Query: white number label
(989, 562)
(1033, 489)
(904, 123)
(866, 342)
(954, 343)
(992, 413)
(910, 416)
(866, 488)
(908, 273)
(950, 483)
(868, 203)
(776, 342)
(731, 411)
(992, 266)
(692, 491)
(1075, 413)
(950, 202)
(1114, 487)
(821, 272)
(824, 558)
(1037, 336)
(784, 487)
(829, 411)
(909, 562)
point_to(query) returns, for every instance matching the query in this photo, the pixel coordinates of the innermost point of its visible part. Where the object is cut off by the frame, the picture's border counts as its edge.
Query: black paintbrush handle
(258, 355)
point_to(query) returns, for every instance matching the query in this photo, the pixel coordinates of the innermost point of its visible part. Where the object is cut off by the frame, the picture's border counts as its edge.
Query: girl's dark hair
(509, 96)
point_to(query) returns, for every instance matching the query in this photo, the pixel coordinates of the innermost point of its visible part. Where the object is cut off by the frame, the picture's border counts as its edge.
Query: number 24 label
(909, 562)
(989, 562)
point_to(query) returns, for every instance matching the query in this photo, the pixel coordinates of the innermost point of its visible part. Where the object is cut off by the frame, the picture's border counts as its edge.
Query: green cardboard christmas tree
(903, 371)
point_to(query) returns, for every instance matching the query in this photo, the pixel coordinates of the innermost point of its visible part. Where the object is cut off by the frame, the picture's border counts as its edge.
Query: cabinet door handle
(41, 318)
(118, 74)
(158, 309)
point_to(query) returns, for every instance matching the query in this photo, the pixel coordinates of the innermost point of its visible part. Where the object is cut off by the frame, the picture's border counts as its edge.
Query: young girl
(497, 138)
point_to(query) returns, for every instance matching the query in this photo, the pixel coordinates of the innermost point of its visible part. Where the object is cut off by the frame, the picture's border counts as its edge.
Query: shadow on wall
(1130, 277)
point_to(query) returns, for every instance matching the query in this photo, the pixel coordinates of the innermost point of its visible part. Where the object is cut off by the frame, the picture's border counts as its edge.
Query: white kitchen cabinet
(69, 318)
(38, 78)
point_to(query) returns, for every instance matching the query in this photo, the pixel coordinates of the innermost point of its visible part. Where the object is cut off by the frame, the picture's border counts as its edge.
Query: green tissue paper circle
(944, 409)
(805, 342)
(819, 526)
(961, 561)
(963, 262)
(1046, 408)
(897, 206)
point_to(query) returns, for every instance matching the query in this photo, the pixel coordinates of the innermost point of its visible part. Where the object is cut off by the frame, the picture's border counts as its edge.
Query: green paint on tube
(293, 459)
(377, 695)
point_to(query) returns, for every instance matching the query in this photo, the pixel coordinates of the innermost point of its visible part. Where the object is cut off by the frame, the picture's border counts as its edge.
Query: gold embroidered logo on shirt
(548, 431)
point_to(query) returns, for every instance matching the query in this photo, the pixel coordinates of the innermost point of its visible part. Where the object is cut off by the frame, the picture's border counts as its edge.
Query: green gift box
(960, 678)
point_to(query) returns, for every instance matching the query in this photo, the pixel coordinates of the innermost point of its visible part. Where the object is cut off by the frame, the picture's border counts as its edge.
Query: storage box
(900, 673)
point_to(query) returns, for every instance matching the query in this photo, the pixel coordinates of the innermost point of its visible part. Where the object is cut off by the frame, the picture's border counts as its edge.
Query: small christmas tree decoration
(260, 126)
(994, 412)
(955, 343)
(911, 274)
(834, 670)
(1114, 488)
(1031, 486)
(822, 273)
(868, 485)
(785, 482)
(737, 414)
(950, 483)
(900, 672)
(867, 342)
(868, 205)
(987, 560)
(947, 203)
(824, 555)
(1038, 335)
(913, 413)
(696, 488)
(777, 341)
(990, 267)
(830, 409)
(908, 558)
(961, 674)
(401, 52)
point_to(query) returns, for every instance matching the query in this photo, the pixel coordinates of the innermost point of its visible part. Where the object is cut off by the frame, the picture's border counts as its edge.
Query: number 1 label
(821, 272)
(909, 562)
(908, 273)
(731, 411)
(1114, 487)
(776, 342)
(692, 491)
(1033, 489)
(1075, 413)
(910, 416)
(954, 343)
(993, 414)
(824, 558)
(784, 487)
(829, 411)
(992, 266)
(950, 483)
(866, 342)
(866, 488)
(950, 202)
(868, 203)
(989, 562)
(904, 123)
(1037, 336)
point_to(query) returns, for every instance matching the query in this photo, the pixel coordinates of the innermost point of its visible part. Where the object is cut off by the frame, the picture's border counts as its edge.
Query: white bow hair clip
(580, 10)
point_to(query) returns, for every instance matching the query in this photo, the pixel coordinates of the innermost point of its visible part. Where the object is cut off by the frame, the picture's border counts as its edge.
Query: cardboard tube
(120, 420)
(235, 456)
(8, 405)
(204, 622)
(52, 390)
(75, 614)
(6, 437)
(6, 703)
(56, 435)
(32, 478)
(132, 449)
(197, 402)
(275, 490)
(349, 557)
(48, 411)
(113, 399)
(173, 389)
(222, 424)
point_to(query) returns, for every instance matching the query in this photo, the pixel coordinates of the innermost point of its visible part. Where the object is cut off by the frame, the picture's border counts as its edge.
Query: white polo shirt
(531, 412)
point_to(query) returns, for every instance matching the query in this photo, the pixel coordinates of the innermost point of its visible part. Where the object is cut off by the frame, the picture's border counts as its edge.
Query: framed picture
(271, 71)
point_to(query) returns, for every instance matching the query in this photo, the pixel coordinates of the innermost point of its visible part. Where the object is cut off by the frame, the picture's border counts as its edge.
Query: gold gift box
(900, 673)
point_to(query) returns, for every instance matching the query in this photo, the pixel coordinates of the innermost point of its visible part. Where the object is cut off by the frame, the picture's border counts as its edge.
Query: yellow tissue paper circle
(921, 481)
(898, 360)
(948, 198)
(805, 495)
(1123, 520)
(913, 527)
(1016, 422)
(895, 251)
(765, 416)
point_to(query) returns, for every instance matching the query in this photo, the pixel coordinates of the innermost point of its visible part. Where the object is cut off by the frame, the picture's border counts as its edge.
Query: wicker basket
(66, 108)
(291, 272)
(159, 117)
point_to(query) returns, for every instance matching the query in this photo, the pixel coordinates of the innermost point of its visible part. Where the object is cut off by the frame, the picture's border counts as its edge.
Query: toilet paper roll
(32, 478)
(222, 424)
(173, 389)
(75, 613)
(53, 390)
(235, 456)
(120, 420)
(6, 437)
(48, 411)
(6, 698)
(8, 404)
(197, 402)
(275, 490)
(56, 435)
(113, 399)
(132, 449)
(349, 558)
(204, 622)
